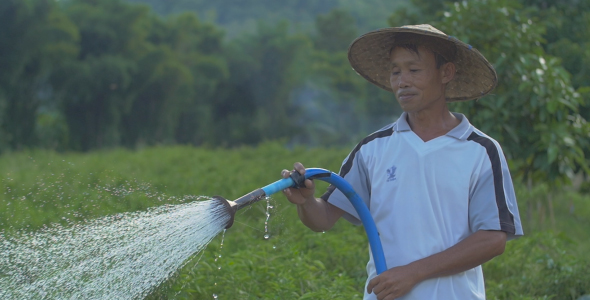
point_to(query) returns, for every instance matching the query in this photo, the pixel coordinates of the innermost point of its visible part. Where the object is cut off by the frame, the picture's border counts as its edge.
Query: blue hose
(355, 200)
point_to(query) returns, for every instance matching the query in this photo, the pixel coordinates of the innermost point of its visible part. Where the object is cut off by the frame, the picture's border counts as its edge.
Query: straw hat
(474, 78)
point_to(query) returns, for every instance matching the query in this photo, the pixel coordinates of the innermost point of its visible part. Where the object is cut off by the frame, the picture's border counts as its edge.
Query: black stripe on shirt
(348, 164)
(506, 217)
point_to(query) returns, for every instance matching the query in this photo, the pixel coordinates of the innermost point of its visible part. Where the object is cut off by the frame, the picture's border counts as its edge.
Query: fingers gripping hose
(298, 180)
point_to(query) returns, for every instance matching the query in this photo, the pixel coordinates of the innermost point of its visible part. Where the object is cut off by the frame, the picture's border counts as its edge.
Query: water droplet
(130, 235)
(268, 207)
(274, 247)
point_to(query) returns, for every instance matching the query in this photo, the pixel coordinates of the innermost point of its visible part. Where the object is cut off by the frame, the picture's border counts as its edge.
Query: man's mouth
(405, 96)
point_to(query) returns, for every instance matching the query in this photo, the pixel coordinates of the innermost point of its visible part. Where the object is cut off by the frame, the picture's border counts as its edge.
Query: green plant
(44, 187)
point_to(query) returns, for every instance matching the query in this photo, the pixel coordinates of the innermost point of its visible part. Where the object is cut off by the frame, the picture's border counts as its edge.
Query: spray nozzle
(230, 208)
(295, 180)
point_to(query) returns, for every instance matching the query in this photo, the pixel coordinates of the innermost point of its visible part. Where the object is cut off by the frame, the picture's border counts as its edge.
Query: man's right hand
(315, 213)
(299, 195)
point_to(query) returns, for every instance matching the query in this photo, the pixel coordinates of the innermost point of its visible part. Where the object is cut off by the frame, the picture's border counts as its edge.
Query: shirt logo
(391, 174)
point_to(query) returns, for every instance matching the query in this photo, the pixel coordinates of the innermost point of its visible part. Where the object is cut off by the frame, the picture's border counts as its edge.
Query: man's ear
(448, 72)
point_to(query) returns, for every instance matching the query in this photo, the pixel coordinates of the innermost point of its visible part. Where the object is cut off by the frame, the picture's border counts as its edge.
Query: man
(438, 189)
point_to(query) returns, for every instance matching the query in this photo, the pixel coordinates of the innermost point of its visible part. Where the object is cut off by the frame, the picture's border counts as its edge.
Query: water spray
(297, 180)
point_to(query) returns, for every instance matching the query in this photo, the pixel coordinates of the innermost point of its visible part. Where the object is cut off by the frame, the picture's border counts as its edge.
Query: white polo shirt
(427, 196)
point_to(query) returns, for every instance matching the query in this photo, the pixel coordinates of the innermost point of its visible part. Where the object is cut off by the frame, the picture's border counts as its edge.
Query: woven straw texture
(475, 77)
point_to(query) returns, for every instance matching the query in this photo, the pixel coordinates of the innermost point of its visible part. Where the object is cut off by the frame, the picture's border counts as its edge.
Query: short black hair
(438, 58)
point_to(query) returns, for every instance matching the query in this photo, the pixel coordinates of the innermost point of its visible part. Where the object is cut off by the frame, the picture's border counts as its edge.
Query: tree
(35, 38)
(255, 103)
(113, 36)
(338, 107)
(177, 83)
(534, 111)
(564, 39)
(335, 31)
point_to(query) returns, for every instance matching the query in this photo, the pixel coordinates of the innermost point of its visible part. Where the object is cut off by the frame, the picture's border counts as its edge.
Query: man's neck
(430, 124)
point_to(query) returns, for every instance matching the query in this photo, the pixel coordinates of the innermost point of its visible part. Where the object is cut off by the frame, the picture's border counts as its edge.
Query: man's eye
(414, 70)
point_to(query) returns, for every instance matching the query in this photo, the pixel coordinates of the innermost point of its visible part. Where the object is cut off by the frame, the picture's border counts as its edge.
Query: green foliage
(331, 87)
(335, 31)
(565, 40)
(176, 83)
(43, 187)
(238, 17)
(86, 74)
(116, 74)
(538, 266)
(294, 264)
(35, 37)
(534, 91)
(254, 104)
(133, 86)
(50, 184)
(534, 111)
(96, 98)
(98, 83)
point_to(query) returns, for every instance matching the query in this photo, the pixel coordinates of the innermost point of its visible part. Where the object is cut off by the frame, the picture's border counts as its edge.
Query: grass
(40, 188)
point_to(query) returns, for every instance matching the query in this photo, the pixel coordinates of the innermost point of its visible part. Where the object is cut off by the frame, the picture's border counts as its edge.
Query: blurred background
(86, 75)
(115, 92)
(81, 75)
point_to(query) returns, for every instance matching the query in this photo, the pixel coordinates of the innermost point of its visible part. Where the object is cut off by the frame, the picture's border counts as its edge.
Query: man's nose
(403, 80)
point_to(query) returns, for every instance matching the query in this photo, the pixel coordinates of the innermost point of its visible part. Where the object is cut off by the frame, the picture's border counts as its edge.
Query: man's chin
(407, 107)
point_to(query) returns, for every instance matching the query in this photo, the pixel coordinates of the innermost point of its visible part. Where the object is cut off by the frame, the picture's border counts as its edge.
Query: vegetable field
(40, 188)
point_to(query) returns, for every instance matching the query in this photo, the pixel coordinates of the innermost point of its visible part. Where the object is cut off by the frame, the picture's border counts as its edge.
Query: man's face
(415, 80)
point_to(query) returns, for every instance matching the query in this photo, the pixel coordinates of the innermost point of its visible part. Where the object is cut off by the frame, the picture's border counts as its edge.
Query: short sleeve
(354, 171)
(492, 203)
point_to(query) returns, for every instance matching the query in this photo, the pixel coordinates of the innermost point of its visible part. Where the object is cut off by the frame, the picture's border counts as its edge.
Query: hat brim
(369, 57)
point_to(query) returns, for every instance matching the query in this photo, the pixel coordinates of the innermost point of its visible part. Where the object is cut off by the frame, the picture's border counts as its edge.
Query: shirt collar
(460, 132)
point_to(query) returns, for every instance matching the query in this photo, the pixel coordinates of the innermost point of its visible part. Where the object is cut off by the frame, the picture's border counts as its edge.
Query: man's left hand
(393, 283)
